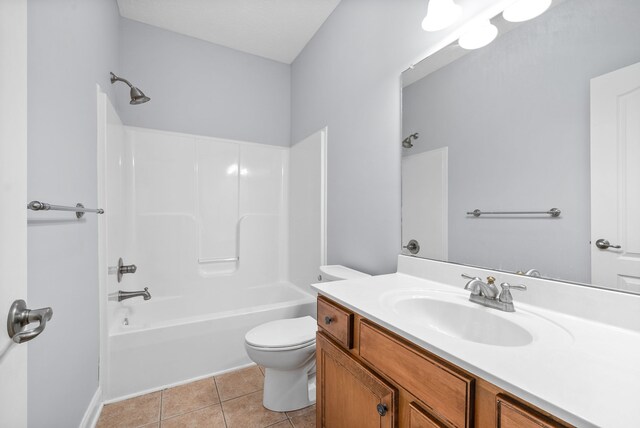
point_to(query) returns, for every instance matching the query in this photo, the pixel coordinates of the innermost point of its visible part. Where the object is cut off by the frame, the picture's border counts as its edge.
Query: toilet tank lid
(341, 272)
(283, 333)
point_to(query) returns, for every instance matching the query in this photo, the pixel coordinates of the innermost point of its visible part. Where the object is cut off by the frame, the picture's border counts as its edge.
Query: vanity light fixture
(477, 34)
(523, 10)
(440, 15)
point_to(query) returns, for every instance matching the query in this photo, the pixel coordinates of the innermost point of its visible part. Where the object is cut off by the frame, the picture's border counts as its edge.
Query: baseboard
(92, 414)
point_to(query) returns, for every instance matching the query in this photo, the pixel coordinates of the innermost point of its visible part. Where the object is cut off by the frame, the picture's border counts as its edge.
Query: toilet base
(285, 391)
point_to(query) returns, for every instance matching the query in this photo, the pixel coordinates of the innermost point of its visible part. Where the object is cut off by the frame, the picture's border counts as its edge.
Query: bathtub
(172, 340)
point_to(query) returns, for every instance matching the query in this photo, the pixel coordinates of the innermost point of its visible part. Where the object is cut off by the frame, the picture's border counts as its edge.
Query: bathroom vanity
(389, 381)
(410, 350)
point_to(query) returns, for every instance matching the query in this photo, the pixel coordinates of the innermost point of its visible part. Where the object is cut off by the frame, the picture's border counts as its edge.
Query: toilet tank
(338, 273)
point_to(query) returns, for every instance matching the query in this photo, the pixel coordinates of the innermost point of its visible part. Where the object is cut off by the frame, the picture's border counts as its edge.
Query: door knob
(413, 246)
(603, 244)
(20, 316)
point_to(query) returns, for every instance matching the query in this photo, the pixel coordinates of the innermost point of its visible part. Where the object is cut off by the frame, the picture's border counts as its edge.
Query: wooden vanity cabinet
(511, 414)
(336, 321)
(447, 392)
(420, 418)
(349, 394)
(368, 377)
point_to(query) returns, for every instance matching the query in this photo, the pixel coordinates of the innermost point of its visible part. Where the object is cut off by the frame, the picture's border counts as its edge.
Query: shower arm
(115, 79)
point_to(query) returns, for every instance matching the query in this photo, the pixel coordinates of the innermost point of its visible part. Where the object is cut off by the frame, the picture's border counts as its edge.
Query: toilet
(287, 350)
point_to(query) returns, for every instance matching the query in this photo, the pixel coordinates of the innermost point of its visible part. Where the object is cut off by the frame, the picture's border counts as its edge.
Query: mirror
(507, 128)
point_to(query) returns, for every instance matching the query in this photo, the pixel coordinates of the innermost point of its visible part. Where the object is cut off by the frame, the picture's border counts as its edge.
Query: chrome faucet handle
(473, 285)
(505, 295)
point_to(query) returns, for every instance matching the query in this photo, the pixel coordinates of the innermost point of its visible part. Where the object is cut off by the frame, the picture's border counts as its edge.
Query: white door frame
(13, 212)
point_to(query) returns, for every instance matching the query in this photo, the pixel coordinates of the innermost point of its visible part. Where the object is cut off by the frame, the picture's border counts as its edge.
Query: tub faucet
(124, 295)
(486, 294)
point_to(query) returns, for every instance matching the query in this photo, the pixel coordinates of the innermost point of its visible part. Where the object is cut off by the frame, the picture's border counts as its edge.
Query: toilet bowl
(287, 350)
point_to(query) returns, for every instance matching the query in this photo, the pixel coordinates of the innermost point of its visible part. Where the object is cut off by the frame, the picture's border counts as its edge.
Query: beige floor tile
(210, 417)
(186, 398)
(303, 418)
(304, 411)
(239, 383)
(134, 412)
(247, 412)
(283, 424)
(307, 420)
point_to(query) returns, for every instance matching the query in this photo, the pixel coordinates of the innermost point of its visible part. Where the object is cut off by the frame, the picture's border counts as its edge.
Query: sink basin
(462, 320)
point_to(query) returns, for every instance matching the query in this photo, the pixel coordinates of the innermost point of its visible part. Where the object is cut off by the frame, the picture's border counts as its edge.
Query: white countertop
(582, 371)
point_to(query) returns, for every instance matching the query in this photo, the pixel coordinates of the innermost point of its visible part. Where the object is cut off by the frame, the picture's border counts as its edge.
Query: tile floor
(231, 400)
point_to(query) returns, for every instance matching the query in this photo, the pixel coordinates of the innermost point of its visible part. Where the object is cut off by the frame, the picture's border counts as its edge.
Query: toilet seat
(311, 344)
(283, 335)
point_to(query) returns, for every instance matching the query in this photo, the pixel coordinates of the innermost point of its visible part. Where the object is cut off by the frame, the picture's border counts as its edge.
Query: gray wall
(348, 78)
(515, 116)
(72, 45)
(200, 88)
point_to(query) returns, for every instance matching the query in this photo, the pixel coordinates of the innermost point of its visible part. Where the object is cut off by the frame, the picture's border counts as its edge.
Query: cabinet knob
(328, 320)
(382, 409)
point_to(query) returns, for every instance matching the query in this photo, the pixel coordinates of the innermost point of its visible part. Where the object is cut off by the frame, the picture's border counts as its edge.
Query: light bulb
(523, 10)
(478, 34)
(440, 15)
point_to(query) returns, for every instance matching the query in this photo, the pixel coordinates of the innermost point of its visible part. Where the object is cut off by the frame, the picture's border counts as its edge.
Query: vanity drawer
(511, 414)
(336, 321)
(448, 393)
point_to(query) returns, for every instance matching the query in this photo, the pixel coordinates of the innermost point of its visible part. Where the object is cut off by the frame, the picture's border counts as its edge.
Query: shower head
(137, 96)
(406, 143)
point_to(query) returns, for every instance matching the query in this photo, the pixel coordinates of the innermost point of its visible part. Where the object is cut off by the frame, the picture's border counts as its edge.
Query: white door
(615, 179)
(425, 203)
(13, 212)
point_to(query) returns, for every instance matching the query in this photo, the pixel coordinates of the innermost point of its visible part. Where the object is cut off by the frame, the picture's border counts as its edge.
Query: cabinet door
(420, 418)
(511, 414)
(349, 394)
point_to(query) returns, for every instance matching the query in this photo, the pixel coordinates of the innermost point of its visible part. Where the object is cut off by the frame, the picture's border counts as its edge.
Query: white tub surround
(206, 222)
(580, 364)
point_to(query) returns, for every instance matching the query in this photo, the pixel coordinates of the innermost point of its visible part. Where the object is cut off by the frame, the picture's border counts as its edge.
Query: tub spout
(123, 295)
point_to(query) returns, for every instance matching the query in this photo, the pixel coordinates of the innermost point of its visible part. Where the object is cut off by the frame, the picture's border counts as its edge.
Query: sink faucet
(479, 288)
(487, 294)
(531, 272)
(123, 295)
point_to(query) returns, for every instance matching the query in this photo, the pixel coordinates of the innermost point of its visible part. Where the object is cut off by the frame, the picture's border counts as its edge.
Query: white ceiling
(275, 29)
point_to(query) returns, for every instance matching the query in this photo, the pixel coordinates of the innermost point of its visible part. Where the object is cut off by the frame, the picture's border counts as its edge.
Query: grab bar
(79, 209)
(553, 212)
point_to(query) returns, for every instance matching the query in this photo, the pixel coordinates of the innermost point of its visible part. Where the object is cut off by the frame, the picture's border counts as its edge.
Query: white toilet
(287, 350)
